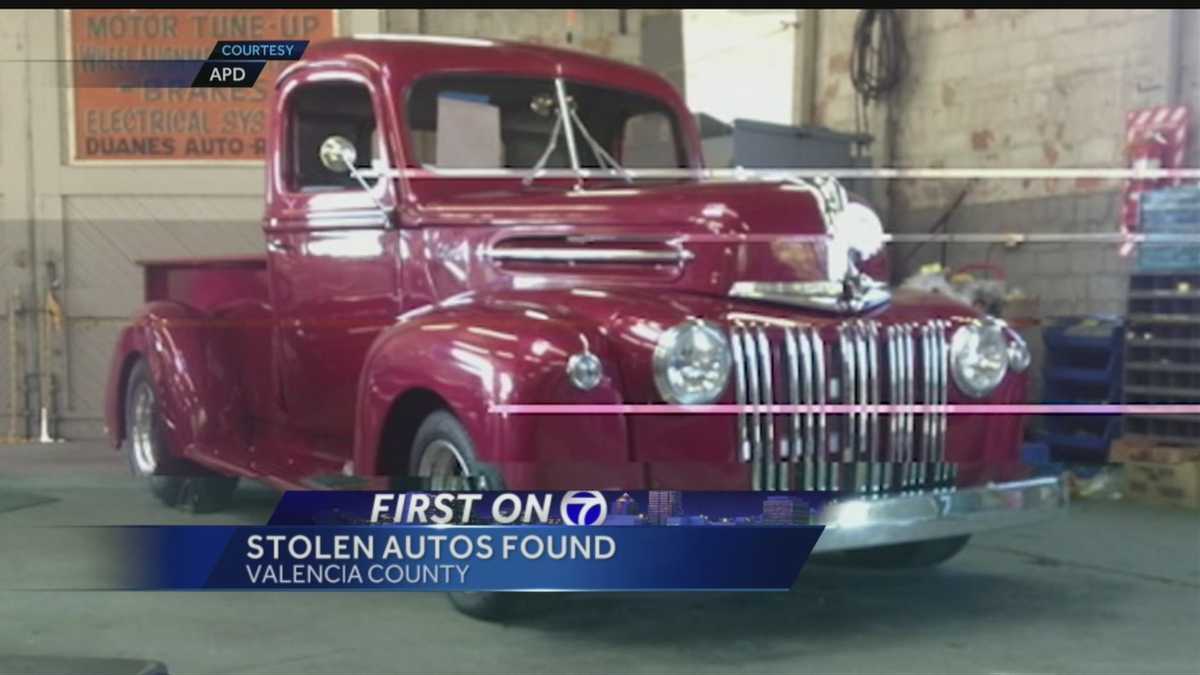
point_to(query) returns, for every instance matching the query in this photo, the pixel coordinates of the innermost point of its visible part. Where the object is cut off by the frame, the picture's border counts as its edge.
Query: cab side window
(323, 109)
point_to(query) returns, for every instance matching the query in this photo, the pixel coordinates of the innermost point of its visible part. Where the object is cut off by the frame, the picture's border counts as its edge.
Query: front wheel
(175, 482)
(443, 458)
(905, 556)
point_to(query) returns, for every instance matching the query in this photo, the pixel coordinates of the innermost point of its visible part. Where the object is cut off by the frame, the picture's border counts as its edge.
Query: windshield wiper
(602, 156)
(568, 123)
(539, 167)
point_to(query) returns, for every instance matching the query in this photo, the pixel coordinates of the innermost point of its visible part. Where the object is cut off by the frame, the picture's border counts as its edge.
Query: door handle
(277, 246)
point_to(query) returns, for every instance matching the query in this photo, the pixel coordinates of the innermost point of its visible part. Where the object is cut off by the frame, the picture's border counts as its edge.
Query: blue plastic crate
(1068, 444)
(1086, 376)
(1035, 452)
(1084, 357)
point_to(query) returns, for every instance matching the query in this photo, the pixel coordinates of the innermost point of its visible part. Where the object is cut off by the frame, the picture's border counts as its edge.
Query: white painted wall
(740, 63)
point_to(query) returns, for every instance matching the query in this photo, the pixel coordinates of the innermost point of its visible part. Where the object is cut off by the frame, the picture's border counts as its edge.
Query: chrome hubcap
(141, 431)
(444, 467)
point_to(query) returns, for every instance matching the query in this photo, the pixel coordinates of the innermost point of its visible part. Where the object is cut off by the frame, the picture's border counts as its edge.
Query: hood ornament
(855, 235)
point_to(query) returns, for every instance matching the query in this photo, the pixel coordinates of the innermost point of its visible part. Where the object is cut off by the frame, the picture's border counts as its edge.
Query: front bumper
(879, 521)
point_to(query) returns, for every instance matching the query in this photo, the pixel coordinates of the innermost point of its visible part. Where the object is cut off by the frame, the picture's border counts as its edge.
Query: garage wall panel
(5, 373)
(103, 238)
(14, 190)
(91, 342)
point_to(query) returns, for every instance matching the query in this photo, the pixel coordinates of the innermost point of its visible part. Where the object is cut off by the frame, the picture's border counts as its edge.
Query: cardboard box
(1156, 473)
(1174, 484)
(1149, 450)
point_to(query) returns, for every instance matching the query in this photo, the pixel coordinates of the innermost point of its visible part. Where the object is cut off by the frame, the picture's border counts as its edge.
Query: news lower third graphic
(231, 63)
(658, 540)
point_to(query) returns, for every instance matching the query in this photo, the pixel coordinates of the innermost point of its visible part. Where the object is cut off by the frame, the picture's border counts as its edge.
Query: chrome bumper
(883, 520)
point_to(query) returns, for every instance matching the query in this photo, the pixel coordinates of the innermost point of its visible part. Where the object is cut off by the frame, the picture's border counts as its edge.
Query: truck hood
(691, 236)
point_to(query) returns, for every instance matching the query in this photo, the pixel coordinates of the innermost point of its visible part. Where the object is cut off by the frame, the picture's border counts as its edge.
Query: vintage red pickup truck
(455, 227)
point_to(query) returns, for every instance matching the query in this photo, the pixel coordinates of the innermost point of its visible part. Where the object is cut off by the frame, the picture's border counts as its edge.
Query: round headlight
(979, 357)
(691, 363)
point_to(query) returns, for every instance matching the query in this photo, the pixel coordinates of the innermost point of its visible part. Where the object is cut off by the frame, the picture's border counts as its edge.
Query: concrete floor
(1114, 587)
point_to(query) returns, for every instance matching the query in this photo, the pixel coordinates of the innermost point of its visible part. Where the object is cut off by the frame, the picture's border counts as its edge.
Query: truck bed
(206, 283)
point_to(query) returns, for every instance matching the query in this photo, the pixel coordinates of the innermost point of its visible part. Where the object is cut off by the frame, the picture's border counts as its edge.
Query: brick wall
(1069, 278)
(1018, 89)
(1006, 88)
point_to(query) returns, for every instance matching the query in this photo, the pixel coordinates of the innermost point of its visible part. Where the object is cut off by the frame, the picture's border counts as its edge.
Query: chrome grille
(862, 450)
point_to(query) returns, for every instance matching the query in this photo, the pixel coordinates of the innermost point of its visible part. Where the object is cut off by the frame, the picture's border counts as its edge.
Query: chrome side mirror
(338, 154)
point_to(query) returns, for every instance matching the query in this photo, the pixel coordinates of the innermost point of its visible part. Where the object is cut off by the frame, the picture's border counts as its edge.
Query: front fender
(474, 357)
(200, 396)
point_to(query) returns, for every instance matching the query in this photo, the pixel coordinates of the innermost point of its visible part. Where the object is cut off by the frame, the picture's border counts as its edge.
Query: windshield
(498, 122)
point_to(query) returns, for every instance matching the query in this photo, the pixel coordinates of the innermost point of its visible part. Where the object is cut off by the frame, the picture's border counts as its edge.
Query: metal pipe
(51, 325)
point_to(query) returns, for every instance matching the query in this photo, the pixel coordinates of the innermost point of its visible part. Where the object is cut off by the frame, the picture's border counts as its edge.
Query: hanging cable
(877, 60)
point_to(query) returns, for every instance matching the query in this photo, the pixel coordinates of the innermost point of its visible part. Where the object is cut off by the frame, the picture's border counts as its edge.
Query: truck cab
(498, 266)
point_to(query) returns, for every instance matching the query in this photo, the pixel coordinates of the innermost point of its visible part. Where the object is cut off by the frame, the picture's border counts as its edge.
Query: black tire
(439, 430)
(175, 482)
(912, 555)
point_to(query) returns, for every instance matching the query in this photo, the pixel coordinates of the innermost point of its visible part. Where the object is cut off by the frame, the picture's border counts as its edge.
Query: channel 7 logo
(583, 507)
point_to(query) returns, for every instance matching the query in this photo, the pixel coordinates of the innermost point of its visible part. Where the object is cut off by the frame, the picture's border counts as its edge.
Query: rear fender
(199, 391)
(474, 358)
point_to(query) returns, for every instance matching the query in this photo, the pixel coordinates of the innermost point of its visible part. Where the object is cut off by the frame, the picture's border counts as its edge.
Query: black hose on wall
(877, 59)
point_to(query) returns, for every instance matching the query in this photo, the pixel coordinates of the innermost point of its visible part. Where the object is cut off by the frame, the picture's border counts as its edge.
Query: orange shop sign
(177, 124)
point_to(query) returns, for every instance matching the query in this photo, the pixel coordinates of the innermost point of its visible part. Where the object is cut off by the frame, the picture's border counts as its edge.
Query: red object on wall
(1155, 138)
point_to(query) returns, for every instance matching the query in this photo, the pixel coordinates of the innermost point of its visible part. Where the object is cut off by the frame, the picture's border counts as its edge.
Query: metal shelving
(1162, 345)
(1162, 352)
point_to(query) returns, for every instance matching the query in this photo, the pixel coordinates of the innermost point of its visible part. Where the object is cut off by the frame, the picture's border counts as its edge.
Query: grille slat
(926, 397)
(792, 445)
(770, 455)
(871, 337)
(753, 387)
(745, 443)
(864, 369)
(943, 389)
(894, 396)
(910, 397)
(821, 386)
(903, 364)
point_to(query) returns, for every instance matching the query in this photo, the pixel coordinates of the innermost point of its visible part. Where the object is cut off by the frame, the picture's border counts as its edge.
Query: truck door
(332, 258)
